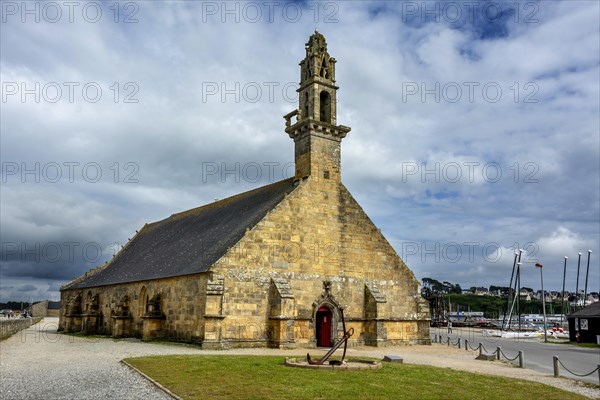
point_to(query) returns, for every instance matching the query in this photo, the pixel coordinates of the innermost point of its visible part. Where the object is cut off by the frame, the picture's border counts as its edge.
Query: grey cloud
(27, 288)
(172, 134)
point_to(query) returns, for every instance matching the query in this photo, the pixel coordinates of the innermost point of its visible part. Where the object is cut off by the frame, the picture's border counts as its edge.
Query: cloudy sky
(475, 127)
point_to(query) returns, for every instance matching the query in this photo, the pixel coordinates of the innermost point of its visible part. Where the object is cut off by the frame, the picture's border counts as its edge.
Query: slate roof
(189, 242)
(593, 310)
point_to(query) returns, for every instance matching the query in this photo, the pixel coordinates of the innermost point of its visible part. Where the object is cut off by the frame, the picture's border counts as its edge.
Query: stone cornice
(362, 319)
(318, 128)
(318, 80)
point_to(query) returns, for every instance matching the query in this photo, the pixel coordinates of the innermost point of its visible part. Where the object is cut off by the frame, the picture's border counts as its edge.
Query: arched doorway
(323, 324)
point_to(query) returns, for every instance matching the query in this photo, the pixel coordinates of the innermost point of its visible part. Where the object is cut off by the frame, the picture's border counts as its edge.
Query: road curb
(155, 383)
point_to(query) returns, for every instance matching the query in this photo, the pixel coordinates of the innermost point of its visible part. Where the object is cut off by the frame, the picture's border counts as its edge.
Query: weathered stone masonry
(329, 239)
(275, 267)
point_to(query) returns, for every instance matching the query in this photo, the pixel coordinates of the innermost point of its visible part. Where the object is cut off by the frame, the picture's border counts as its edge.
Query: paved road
(538, 355)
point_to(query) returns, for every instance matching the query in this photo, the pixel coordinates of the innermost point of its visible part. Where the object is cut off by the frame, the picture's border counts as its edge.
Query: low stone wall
(40, 309)
(10, 326)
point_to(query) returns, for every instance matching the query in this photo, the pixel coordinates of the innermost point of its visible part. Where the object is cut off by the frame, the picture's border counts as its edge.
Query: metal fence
(557, 364)
(499, 354)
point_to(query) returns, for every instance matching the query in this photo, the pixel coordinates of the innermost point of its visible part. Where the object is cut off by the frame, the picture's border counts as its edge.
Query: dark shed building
(587, 322)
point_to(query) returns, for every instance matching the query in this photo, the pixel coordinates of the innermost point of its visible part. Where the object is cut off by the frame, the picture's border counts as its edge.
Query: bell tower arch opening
(325, 107)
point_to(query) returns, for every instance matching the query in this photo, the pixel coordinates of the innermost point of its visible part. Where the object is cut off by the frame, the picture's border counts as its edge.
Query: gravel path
(38, 363)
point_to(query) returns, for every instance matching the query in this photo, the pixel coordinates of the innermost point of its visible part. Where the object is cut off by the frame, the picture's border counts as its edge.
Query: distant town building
(464, 315)
(587, 322)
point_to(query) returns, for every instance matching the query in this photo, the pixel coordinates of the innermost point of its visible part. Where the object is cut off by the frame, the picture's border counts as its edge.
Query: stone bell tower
(316, 136)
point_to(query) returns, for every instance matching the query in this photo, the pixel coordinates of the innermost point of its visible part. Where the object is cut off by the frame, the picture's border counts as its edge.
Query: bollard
(480, 348)
(599, 374)
(556, 366)
(498, 351)
(448, 340)
(521, 359)
(459, 343)
(466, 344)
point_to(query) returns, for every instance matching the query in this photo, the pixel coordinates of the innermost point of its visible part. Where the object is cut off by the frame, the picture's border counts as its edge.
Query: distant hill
(14, 305)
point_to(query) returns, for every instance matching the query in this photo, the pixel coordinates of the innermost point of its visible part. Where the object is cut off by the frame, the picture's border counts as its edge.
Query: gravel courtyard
(38, 363)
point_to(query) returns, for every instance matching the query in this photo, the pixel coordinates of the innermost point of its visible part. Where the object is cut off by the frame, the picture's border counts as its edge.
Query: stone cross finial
(317, 61)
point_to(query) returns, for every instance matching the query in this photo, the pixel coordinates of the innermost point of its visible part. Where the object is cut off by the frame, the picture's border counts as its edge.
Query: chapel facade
(277, 266)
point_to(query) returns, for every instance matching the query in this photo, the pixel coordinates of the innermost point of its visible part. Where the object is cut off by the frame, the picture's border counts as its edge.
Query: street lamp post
(540, 266)
(587, 274)
(562, 306)
(577, 283)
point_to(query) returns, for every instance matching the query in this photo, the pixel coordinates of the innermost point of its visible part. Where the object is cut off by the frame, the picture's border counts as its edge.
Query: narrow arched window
(305, 115)
(143, 301)
(88, 303)
(325, 107)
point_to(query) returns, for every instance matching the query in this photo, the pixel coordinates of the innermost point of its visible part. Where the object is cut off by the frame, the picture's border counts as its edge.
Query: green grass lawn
(265, 377)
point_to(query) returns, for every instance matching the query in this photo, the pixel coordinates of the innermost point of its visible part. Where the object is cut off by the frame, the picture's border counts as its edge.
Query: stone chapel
(273, 267)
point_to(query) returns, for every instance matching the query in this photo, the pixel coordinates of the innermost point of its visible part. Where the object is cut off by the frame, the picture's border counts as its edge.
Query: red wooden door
(324, 317)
